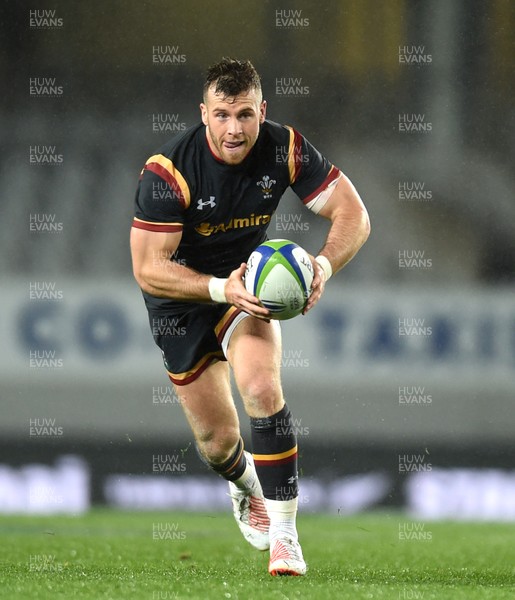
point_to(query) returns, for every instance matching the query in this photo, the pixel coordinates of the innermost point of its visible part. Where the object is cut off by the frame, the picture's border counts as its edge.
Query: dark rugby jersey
(223, 210)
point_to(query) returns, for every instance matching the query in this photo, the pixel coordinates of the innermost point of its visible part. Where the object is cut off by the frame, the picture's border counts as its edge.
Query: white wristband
(326, 266)
(217, 289)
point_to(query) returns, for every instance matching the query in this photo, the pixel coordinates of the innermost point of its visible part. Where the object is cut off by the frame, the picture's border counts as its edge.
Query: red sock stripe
(273, 463)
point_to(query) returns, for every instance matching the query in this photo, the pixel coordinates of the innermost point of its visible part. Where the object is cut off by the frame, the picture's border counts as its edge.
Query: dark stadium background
(402, 381)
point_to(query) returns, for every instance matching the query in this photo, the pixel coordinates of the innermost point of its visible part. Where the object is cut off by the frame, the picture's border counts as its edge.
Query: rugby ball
(280, 274)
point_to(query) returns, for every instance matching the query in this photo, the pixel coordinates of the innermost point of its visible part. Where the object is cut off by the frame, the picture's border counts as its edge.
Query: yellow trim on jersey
(167, 164)
(291, 154)
(276, 456)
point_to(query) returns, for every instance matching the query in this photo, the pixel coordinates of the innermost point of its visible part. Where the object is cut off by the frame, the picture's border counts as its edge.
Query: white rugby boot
(249, 508)
(285, 551)
(286, 557)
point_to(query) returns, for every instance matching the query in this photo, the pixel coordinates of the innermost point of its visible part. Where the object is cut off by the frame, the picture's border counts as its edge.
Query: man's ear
(262, 112)
(203, 113)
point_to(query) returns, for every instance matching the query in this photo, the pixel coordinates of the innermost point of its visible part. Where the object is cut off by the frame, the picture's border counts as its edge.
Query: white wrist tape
(326, 266)
(217, 289)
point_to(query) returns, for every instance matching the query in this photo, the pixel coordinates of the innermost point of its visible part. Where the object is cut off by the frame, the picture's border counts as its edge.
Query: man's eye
(221, 116)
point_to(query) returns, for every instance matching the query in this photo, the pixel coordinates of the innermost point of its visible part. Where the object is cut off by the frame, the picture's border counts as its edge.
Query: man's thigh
(192, 343)
(208, 404)
(254, 353)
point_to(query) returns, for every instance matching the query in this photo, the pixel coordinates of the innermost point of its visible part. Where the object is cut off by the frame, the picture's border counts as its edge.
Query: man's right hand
(237, 295)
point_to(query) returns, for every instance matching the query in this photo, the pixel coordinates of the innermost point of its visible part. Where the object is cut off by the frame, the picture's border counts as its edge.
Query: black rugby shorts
(191, 340)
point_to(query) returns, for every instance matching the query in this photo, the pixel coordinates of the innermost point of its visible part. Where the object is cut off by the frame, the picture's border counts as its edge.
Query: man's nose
(234, 126)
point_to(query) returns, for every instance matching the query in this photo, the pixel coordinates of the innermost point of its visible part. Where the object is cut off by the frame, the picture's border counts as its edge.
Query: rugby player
(203, 204)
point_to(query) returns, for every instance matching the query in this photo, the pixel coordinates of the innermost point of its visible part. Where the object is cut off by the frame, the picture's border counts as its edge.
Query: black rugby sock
(274, 446)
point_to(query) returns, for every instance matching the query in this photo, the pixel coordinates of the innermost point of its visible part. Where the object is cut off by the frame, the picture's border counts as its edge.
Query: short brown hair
(232, 77)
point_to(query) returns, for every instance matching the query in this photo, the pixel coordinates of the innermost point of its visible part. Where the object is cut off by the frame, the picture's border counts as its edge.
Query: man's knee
(262, 395)
(216, 446)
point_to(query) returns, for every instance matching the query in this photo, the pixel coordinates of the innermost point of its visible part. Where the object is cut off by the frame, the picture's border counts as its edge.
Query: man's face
(232, 123)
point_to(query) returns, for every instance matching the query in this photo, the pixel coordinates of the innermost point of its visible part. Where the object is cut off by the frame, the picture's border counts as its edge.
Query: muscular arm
(158, 276)
(349, 230)
(350, 225)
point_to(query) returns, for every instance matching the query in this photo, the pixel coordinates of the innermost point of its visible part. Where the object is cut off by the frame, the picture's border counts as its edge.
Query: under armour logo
(211, 203)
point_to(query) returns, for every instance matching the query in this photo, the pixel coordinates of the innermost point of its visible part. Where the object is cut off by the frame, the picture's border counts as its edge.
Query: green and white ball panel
(280, 274)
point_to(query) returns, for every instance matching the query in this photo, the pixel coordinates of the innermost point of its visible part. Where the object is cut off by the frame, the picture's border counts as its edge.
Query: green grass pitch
(158, 556)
